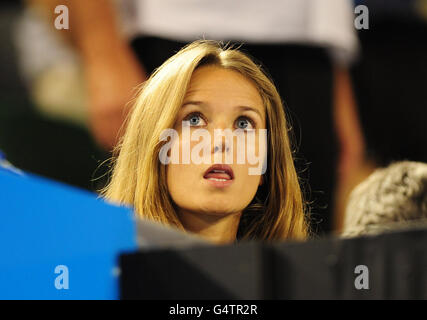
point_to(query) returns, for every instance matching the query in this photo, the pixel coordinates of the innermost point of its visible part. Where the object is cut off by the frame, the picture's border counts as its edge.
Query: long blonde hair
(139, 178)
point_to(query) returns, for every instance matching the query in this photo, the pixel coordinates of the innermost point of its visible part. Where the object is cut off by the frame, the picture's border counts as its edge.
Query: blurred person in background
(43, 112)
(389, 80)
(305, 45)
(391, 198)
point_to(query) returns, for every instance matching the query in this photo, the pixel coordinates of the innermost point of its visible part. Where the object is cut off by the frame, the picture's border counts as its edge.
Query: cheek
(180, 174)
(182, 180)
(175, 182)
(245, 190)
(246, 183)
(191, 147)
(256, 153)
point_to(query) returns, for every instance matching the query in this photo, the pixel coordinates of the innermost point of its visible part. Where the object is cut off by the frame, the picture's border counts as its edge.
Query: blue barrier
(59, 242)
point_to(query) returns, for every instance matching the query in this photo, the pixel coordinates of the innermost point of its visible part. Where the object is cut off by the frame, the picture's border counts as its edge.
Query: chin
(220, 211)
(219, 207)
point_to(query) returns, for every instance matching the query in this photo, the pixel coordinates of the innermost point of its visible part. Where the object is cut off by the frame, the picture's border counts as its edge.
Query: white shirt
(326, 23)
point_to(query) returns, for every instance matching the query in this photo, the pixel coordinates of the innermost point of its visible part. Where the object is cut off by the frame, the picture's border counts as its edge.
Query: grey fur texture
(390, 198)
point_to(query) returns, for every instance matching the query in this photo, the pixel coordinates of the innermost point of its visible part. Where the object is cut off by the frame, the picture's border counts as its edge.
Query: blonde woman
(203, 88)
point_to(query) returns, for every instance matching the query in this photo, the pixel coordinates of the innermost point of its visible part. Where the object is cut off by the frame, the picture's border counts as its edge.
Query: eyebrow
(243, 108)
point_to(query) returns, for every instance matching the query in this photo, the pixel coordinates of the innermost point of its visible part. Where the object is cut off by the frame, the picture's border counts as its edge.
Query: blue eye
(194, 119)
(244, 123)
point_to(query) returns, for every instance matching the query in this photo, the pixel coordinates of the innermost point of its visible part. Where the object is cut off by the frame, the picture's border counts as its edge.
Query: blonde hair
(139, 178)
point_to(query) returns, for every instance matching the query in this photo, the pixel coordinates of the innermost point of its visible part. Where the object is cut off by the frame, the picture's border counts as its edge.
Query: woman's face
(216, 99)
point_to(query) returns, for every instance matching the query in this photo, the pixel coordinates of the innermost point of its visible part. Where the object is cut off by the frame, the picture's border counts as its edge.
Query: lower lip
(219, 184)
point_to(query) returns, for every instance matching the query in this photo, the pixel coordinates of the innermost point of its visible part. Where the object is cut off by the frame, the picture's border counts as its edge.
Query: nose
(222, 144)
(221, 136)
(223, 147)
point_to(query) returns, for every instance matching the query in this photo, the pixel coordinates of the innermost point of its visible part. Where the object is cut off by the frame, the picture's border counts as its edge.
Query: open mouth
(219, 173)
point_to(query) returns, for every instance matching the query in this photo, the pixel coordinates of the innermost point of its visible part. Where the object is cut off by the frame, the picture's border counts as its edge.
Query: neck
(218, 229)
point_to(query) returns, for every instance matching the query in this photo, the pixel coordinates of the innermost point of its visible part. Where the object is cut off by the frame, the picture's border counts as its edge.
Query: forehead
(219, 85)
